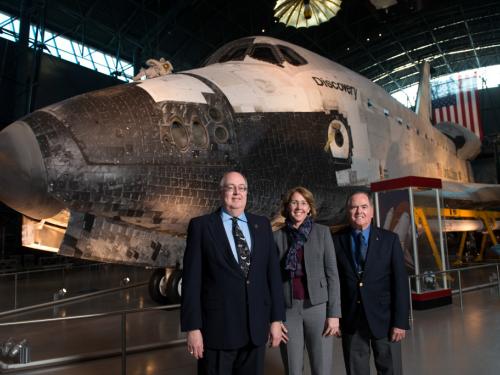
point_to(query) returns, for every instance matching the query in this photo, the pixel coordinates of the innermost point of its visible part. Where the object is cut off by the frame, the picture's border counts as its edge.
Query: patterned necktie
(241, 247)
(360, 251)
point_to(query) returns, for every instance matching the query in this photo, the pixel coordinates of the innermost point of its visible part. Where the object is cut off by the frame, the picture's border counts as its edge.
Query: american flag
(461, 108)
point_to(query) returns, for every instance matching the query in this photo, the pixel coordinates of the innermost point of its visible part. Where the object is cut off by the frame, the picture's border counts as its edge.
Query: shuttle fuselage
(133, 163)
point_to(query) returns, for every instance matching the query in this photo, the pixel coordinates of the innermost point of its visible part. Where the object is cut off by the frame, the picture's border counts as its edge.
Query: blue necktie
(360, 252)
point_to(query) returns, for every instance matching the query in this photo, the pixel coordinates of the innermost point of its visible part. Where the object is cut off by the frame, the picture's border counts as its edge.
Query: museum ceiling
(384, 45)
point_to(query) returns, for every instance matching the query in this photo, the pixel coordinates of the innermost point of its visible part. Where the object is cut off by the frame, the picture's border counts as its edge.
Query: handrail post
(460, 290)
(411, 304)
(418, 288)
(498, 280)
(15, 291)
(124, 342)
(441, 240)
(63, 277)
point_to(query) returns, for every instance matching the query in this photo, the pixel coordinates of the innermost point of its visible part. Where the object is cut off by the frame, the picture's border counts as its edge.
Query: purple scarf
(298, 238)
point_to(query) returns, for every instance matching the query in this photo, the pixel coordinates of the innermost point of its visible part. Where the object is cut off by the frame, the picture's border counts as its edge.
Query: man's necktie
(241, 247)
(360, 251)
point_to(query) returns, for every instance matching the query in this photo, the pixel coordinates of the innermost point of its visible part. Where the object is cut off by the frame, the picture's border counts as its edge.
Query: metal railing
(123, 351)
(96, 276)
(460, 290)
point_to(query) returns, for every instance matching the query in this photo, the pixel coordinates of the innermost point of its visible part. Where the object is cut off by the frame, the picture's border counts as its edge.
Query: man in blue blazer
(374, 291)
(232, 298)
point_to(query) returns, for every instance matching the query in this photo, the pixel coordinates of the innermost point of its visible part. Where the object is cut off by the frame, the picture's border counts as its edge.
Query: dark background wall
(486, 166)
(490, 110)
(56, 80)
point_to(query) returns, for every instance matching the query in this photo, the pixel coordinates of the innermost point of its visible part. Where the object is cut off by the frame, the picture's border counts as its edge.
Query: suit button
(248, 282)
(358, 301)
(360, 285)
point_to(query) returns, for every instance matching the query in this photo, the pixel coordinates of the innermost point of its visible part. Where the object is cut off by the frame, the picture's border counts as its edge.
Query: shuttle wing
(471, 195)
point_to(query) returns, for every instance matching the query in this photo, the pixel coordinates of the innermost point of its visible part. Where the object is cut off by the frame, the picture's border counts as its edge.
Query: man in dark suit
(232, 297)
(374, 291)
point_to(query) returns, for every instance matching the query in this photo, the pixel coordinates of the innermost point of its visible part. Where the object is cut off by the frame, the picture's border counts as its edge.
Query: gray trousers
(305, 324)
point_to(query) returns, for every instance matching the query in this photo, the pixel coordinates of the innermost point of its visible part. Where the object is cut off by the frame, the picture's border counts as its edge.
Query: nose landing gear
(165, 286)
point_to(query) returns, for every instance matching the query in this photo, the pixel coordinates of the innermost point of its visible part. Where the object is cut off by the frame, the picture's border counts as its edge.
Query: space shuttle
(115, 175)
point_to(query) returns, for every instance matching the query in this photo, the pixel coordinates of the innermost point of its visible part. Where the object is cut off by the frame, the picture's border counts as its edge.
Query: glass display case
(411, 207)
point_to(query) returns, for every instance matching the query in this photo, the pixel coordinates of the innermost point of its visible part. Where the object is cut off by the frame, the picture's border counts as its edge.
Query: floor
(444, 340)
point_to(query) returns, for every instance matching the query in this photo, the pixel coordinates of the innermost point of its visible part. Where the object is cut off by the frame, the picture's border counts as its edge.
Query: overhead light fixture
(305, 13)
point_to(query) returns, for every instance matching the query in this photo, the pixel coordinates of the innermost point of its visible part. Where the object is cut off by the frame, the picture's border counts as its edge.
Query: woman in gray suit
(310, 283)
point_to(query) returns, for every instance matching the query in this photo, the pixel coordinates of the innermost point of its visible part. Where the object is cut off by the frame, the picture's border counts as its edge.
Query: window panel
(52, 50)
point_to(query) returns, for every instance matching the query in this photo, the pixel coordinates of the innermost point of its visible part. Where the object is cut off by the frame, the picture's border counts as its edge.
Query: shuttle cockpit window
(259, 51)
(291, 56)
(234, 51)
(265, 53)
(234, 54)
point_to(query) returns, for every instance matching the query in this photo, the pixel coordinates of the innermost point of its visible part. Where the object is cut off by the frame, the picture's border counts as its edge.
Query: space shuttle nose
(23, 179)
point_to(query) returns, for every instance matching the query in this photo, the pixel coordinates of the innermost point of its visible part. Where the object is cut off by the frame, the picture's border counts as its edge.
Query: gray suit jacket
(320, 266)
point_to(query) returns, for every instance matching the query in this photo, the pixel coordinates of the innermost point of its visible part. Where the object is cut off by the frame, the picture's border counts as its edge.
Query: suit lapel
(373, 247)
(307, 248)
(220, 238)
(252, 227)
(347, 246)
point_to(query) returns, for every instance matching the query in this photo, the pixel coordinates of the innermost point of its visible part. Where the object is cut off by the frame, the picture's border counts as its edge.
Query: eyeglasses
(234, 188)
(299, 203)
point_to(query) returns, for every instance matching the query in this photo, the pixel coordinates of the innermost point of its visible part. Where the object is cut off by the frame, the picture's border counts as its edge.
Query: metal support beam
(347, 31)
(436, 43)
(420, 217)
(37, 56)
(470, 37)
(460, 252)
(21, 104)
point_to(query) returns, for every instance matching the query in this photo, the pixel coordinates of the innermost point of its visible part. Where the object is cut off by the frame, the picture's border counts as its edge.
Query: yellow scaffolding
(488, 218)
(420, 218)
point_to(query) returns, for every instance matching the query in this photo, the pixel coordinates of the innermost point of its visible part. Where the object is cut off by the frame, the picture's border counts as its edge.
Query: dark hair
(308, 196)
